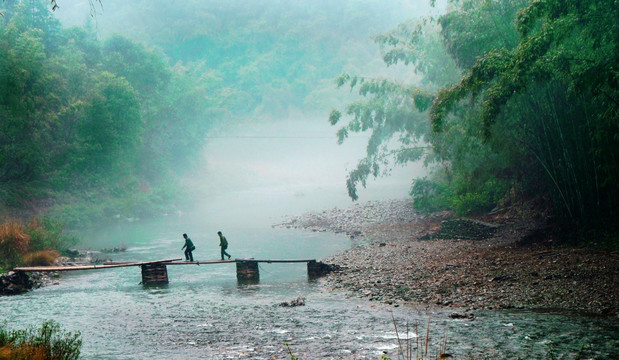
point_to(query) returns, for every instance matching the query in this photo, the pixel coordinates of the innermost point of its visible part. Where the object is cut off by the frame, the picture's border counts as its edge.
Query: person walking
(223, 242)
(189, 247)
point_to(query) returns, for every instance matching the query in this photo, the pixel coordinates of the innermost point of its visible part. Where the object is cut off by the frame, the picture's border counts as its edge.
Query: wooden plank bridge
(155, 272)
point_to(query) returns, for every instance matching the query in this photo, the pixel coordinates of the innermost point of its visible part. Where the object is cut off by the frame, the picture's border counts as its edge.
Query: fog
(280, 153)
(287, 167)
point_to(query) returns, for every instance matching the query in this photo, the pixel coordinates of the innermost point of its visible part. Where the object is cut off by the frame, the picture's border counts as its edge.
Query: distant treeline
(518, 100)
(94, 128)
(263, 57)
(511, 99)
(90, 128)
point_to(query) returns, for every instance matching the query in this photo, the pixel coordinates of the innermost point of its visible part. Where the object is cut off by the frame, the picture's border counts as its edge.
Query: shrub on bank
(49, 342)
(41, 258)
(48, 233)
(430, 195)
(14, 243)
(39, 242)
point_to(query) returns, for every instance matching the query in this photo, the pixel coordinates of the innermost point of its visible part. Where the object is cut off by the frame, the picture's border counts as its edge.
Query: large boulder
(317, 269)
(14, 282)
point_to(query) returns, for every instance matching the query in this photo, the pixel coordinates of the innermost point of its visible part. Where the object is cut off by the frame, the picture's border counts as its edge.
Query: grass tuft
(49, 342)
(14, 242)
(41, 258)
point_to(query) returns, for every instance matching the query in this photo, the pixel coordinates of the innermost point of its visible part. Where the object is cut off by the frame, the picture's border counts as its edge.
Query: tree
(535, 111)
(567, 53)
(72, 132)
(390, 108)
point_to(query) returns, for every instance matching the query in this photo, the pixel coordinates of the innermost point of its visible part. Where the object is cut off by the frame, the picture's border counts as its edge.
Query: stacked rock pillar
(154, 274)
(313, 269)
(316, 269)
(247, 270)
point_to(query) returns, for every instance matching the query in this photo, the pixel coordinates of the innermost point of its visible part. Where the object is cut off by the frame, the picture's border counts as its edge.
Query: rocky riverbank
(17, 282)
(499, 261)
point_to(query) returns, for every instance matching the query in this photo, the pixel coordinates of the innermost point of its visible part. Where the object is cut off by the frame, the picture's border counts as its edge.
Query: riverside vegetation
(510, 99)
(518, 99)
(49, 342)
(36, 243)
(98, 127)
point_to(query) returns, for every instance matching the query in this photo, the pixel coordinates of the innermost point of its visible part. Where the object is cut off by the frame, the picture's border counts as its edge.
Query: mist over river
(134, 122)
(204, 313)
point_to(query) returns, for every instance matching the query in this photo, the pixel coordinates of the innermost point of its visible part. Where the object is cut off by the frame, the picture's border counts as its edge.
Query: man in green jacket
(189, 248)
(223, 242)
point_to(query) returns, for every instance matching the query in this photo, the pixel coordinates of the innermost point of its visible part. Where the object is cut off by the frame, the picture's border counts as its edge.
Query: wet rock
(487, 268)
(500, 278)
(14, 282)
(116, 249)
(300, 301)
(317, 269)
(463, 229)
(463, 315)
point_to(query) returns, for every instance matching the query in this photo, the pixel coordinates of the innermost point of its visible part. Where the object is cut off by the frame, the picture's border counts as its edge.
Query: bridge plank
(89, 267)
(167, 262)
(240, 260)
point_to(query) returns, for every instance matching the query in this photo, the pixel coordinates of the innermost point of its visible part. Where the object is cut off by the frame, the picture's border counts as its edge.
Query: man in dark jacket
(223, 242)
(188, 248)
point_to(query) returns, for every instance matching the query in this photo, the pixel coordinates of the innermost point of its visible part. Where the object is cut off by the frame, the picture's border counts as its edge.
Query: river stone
(463, 229)
(14, 282)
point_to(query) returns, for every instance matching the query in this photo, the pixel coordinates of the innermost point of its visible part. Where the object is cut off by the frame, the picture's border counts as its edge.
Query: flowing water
(204, 313)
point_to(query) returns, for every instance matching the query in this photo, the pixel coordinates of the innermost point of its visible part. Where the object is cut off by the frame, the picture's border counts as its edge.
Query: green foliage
(292, 357)
(111, 125)
(86, 123)
(552, 97)
(535, 111)
(434, 195)
(19, 240)
(479, 27)
(145, 70)
(394, 110)
(265, 57)
(49, 342)
(48, 233)
(573, 43)
(419, 44)
(429, 196)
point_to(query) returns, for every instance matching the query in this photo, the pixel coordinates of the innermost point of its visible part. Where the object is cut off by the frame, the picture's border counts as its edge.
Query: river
(204, 313)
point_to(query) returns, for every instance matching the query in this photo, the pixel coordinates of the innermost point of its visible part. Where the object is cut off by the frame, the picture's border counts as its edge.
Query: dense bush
(41, 258)
(433, 195)
(49, 342)
(14, 243)
(47, 233)
(429, 195)
(38, 242)
(89, 122)
(532, 108)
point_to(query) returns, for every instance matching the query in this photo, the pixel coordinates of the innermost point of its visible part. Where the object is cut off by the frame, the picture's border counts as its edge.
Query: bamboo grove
(517, 100)
(82, 119)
